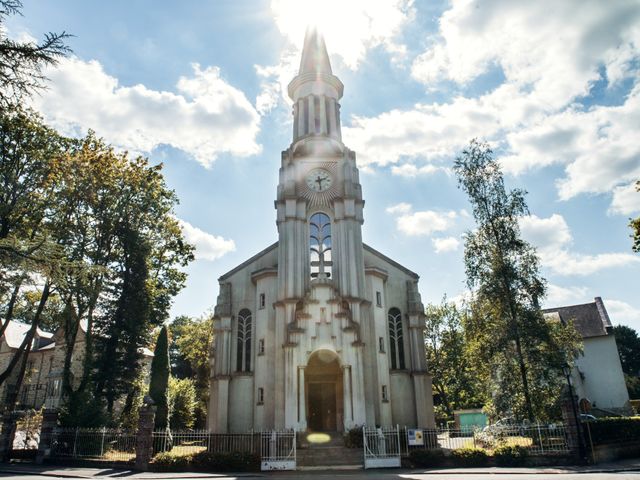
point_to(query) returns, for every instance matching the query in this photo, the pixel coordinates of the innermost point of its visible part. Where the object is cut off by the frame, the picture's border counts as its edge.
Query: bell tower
(321, 279)
(319, 198)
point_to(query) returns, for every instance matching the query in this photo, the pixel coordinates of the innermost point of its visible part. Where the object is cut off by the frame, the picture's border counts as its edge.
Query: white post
(75, 442)
(102, 442)
(540, 437)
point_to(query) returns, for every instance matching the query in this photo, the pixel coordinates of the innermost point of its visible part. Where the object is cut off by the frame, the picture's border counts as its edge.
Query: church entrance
(323, 387)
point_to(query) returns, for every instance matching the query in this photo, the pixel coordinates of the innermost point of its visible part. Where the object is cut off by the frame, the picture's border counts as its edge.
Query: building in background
(318, 331)
(42, 384)
(597, 376)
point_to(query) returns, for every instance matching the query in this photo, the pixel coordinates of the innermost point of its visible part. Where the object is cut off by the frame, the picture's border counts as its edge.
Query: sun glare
(349, 27)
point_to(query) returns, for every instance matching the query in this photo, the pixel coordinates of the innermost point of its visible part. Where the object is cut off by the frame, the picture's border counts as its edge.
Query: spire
(315, 92)
(315, 58)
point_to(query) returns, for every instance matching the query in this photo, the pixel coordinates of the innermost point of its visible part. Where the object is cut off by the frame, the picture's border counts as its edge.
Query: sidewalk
(631, 465)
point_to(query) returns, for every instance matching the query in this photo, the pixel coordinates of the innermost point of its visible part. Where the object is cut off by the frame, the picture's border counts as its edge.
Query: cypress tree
(159, 385)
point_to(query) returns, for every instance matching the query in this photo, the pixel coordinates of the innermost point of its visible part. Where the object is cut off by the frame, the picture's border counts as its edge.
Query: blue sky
(199, 86)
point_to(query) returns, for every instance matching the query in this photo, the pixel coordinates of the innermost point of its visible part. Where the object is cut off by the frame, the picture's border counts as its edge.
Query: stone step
(329, 456)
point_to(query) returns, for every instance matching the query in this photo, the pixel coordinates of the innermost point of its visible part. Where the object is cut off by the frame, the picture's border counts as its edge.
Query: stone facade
(42, 384)
(318, 331)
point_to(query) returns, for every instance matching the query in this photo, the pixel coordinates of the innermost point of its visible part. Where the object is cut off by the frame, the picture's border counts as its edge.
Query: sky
(200, 86)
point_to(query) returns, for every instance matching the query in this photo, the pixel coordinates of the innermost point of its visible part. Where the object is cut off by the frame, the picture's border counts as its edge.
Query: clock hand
(319, 179)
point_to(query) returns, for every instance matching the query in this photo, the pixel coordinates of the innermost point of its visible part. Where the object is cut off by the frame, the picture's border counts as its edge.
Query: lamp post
(566, 370)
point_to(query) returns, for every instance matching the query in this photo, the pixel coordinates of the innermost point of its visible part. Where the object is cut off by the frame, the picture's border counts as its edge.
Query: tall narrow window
(396, 341)
(244, 341)
(320, 245)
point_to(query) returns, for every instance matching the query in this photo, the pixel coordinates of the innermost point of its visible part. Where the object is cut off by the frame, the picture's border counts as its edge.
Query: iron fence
(536, 438)
(102, 444)
(186, 442)
(381, 447)
(278, 450)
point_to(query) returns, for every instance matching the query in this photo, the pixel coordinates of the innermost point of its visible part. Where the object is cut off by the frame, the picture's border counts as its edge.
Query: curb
(151, 476)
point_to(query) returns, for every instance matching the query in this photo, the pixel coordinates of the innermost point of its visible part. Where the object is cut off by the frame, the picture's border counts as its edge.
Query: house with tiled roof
(597, 377)
(42, 384)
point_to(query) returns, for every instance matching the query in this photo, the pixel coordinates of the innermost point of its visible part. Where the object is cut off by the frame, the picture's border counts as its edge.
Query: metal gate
(278, 450)
(381, 447)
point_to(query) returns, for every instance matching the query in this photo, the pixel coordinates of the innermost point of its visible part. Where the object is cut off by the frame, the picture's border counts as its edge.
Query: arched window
(243, 351)
(320, 244)
(396, 341)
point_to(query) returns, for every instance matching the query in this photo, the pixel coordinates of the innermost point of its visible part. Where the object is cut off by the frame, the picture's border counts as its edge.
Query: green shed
(469, 419)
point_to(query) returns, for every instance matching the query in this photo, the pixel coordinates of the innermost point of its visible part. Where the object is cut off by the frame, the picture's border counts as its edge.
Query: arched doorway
(323, 386)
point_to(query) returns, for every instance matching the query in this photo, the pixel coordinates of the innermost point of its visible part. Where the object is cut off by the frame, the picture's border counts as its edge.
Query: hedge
(510, 455)
(427, 458)
(470, 457)
(206, 462)
(613, 430)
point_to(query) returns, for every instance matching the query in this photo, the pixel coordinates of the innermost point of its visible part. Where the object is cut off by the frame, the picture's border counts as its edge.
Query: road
(376, 476)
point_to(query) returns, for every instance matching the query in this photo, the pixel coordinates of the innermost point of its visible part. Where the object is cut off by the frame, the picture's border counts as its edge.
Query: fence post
(49, 423)
(144, 437)
(9, 421)
(102, 442)
(573, 430)
(540, 437)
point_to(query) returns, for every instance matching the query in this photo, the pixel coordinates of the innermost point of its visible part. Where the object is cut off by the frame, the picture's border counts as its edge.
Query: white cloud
(350, 28)
(626, 200)
(558, 296)
(410, 170)
(421, 223)
(446, 244)
(554, 49)
(399, 208)
(205, 118)
(551, 54)
(621, 313)
(553, 239)
(208, 247)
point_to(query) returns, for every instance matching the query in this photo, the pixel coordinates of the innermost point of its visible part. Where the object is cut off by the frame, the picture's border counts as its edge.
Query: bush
(353, 438)
(182, 403)
(470, 457)
(510, 455)
(615, 430)
(206, 462)
(426, 458)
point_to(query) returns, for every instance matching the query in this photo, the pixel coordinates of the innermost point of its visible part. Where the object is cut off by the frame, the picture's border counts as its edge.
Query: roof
(224, 276)
(390, 261)
(145, 352)
(590, 319)
(366, 247)
(315, 58)
(16, 331)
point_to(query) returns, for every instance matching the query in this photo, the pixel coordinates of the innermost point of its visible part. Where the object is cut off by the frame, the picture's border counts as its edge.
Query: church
(318, 331)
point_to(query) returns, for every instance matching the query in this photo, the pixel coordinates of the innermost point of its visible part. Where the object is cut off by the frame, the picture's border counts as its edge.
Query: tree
(523, 353)
(159, 384)
(629, 349)
(22, 63)
(182, 403)
(454, 381)
(635, 226)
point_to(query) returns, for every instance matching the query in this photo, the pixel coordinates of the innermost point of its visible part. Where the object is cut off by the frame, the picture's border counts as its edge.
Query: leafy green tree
(182, 403)
(159, 384)
(509, 336)
(629, 349)
(454, 380)
(22, 63)
(635, 226)
(194, 344)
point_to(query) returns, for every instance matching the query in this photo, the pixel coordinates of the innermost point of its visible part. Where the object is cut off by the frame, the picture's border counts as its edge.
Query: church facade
(319, 331)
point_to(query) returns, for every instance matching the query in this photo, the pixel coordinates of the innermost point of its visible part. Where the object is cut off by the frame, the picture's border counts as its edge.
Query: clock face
(319, 180)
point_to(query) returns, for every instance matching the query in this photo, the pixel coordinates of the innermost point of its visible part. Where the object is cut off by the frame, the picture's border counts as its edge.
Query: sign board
(415, 437)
